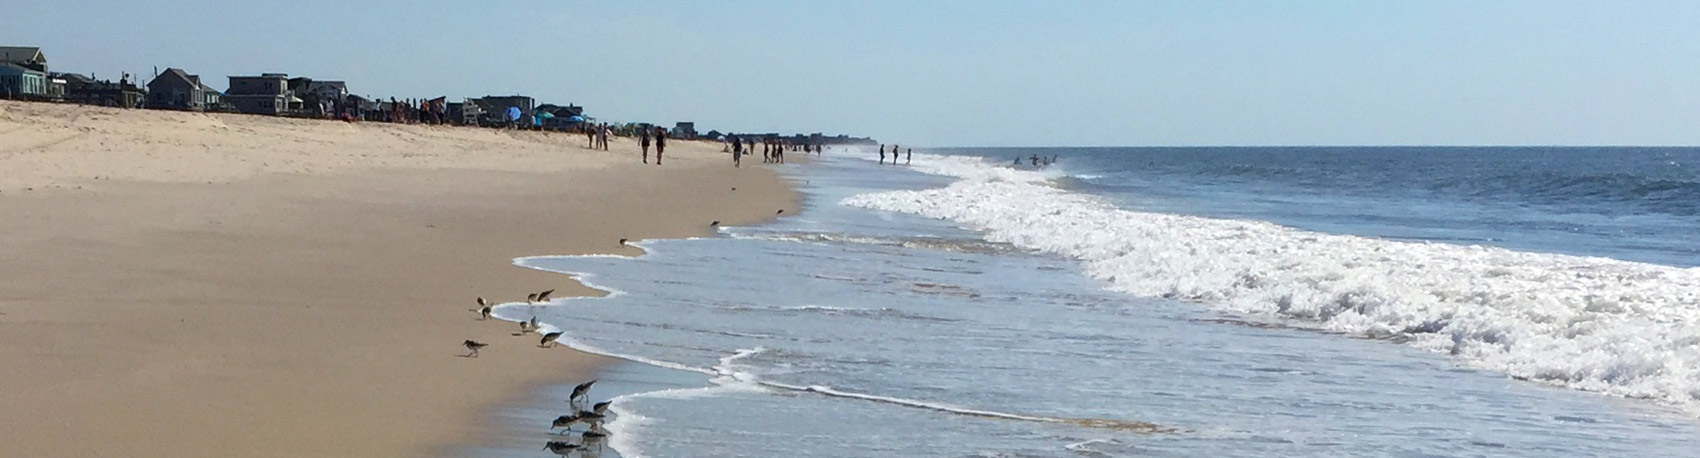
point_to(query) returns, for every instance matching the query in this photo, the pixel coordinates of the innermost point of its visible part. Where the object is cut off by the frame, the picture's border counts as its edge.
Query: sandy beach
(187, 285)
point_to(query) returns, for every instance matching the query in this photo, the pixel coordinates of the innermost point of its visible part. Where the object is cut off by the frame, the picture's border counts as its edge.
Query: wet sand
(173, 308)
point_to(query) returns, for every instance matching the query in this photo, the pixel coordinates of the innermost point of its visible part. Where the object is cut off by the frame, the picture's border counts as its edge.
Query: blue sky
(963, 73)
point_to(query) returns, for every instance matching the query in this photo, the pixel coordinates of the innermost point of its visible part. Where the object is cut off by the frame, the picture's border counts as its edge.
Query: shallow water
(852, 332)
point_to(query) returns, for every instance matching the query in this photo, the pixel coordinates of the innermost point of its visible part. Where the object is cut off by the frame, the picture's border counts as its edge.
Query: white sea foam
(1596, 324)
(976, 169)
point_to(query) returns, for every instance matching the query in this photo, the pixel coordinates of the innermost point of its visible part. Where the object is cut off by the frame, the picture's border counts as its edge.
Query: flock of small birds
(591, 417)
(525, 327)
(590, 440)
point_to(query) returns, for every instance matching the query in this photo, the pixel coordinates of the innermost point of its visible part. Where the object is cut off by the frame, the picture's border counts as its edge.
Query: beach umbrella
(576, 118)
(545, 115)
(513, 113)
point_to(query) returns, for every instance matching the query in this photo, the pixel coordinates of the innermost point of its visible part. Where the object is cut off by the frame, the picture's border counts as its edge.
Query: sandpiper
(581, 391)
(601, 407)
(594, 435)
(544, 296)
(483, 309)
(560, 448)
(549, 339)
(474, 346)
(564, 421)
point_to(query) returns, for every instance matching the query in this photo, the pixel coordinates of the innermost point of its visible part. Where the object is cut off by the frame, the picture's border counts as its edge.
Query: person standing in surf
(908, 156)
(882, 154)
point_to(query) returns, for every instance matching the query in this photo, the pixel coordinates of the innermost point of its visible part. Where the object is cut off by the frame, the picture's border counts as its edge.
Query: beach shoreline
(188, 302)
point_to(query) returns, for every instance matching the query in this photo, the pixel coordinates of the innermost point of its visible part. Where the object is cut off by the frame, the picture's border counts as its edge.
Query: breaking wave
(1596, 324)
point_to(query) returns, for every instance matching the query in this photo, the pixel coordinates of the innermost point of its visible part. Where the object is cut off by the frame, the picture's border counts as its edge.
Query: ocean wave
(1595, 324)
(1662, 195)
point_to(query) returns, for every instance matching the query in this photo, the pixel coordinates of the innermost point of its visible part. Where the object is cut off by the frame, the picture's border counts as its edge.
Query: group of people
(660, 137)
(909, 155)
(597, 134)
(1038, 160)
(772, 150)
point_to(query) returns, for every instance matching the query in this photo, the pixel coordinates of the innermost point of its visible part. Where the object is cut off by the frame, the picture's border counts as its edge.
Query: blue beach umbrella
(576, 118)
(513, 113)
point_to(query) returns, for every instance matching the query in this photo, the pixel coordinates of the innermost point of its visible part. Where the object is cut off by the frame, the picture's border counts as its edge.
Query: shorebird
(622, 242)
(549, 339)
(531, 298)
(591, 417)
(544, 296)
(594, 435)
(560, 448)
(601, 407)
(524, 327)
(781, 212)
(564, 421)
(474, 346)
(713, 224)
(581, 391)
(533, 322)
(483, 309)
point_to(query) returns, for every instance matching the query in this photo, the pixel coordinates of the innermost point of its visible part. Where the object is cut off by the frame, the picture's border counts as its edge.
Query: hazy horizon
(964, 73)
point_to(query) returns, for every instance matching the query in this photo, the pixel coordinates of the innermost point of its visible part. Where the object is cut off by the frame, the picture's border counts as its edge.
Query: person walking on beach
(589, 135)
(779, 154)
(737, 152)
(882, 154)
(908, 155)
(660, 143)
(643, 142)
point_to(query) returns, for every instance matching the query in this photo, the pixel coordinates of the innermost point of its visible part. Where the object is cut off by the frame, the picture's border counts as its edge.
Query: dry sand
(311, 299)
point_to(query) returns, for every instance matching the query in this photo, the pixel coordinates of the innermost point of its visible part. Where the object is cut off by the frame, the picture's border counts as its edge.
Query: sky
(961, 73)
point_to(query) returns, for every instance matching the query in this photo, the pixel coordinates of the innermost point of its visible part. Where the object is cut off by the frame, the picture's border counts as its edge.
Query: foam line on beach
(726, 376)
(1098, 423)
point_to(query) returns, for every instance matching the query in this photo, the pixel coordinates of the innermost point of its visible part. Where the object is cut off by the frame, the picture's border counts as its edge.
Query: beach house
(178, 90)
(319, 97)
(267, 94)
(23, 72)
(495, 108)
(84, 89)
(685, 130)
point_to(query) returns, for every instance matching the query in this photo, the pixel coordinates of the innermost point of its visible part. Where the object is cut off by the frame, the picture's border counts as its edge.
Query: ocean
(1506, 302)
